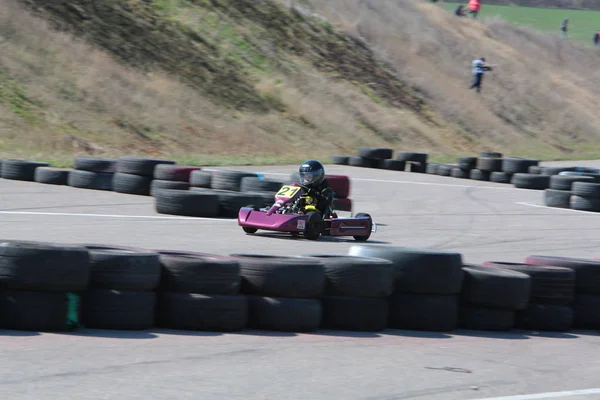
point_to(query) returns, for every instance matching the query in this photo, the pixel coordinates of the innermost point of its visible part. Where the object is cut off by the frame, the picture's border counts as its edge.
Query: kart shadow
(13, 333)
(325, 239)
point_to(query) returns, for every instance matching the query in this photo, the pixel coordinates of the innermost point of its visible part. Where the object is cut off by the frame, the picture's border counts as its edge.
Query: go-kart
(293, 212)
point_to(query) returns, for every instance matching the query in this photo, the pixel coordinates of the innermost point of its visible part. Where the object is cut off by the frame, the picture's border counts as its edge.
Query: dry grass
(541, 98)
(60, 97)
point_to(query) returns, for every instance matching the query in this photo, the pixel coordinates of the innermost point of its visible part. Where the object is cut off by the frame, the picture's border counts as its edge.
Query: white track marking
(414, 182)
(548, 395)
(524, 203)
(115, 216)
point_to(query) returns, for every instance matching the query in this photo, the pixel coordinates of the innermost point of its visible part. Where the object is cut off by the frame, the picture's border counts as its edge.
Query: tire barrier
(52, 287)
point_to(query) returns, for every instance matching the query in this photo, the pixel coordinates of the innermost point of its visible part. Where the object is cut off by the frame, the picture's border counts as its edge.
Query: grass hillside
(574, 4)
(232, 81)
(582, 23)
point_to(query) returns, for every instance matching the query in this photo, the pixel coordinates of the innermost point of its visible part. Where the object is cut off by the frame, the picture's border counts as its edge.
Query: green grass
(581, 28)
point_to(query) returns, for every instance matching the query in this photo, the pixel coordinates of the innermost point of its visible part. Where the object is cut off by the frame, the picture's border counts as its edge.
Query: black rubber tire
(459, 173)
(500, 177)
(140, 166)
(90, 180)
(586, 189)
(544, 317)
(444, 170)
(38, 311)
(534, 169)
(118, 310)
(584, 203)
(549, 285)
(489, 154)
(229, 180)
(419, 168)
(411, 156)
(393, 165)
(375, 152)
(200, 312)
(340, 160)
(364, 162)
(51, 176)
(41, 266)
(555, 170)
(418, 270)
(186, 203)
(495, 288)
(94, 164)
(356, 276)
(131, 184)
(432, 168)
(479, 175)
(173, 185)
(423, 312)
(517, 165)
(256, 184)
(489, 164)
(230, 202)
(284, 314)
(530, 181)
(173, 172)
(188, 272)
(364, 238)
(557, 198)
(201, 179)
(354, 313)
(21, 170)
(565, 182)
(585, 308)
(314, 226)
(587, 272)
(486, 319)
(467, 163)
(266, 275)
(123, 268)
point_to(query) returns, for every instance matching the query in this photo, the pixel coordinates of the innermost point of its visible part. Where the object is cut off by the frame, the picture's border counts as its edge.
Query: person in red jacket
(596, 38)
(474, 6)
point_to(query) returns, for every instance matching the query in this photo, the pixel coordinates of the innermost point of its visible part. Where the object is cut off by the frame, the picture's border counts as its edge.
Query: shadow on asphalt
(418, 334)
(324, 239)
(4, 332)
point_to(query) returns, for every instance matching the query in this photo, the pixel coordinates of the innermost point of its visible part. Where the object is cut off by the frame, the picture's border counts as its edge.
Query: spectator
(596, 38)
(474, 6)
(479, 68)
(460, 11)
(563, 28)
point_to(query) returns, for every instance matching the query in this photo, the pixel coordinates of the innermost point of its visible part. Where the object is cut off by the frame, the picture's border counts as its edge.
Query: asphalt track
(483, 221)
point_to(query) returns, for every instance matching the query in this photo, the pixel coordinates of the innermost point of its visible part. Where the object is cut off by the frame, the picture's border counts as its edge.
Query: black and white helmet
(312, 173)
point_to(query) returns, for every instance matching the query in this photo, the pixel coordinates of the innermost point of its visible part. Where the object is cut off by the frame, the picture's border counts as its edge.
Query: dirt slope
(199, 79)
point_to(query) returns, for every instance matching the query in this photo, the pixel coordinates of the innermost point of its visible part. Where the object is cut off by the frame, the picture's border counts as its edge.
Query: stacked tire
(546, 306)
(92, 173)
(283, 292)
(560, 191)
(41, 283)
(356, 292)
(585, 196)
(264, 188)
(464, 167)
(200, 292)
(371, 157)
(486, 164)
(417, 162)
(586, 303)
(20, 170)
(517, 168)
(120, 295)
(134, 175)
(426, 286)
(169, 176)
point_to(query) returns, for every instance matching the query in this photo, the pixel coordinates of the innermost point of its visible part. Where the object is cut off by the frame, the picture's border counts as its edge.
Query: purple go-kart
(290, 213)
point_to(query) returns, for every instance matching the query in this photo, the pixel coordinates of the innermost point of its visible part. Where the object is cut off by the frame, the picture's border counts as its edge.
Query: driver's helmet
(312, 173)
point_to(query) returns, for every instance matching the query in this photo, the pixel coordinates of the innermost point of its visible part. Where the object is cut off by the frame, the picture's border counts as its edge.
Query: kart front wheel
(314, 226)
(248, 229)
(366, 237)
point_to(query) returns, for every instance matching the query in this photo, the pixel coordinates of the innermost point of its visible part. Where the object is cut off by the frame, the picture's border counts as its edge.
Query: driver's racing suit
(322, 195)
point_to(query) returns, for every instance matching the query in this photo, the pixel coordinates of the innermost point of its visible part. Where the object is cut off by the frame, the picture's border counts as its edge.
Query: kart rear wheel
(248, 229)
(366, 237)
(314, 226)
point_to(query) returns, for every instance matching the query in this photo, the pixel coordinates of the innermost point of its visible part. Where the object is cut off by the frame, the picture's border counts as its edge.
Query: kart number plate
(301, 224)
(287, 192)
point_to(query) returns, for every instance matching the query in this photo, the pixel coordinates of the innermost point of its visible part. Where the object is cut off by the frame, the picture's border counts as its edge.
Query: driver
(312, 175)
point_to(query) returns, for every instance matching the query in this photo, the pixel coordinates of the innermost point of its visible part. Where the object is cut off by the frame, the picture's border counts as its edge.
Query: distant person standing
(478, 70)
(596, 38)
(460, 11)
(563, 28)
(474, 6)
